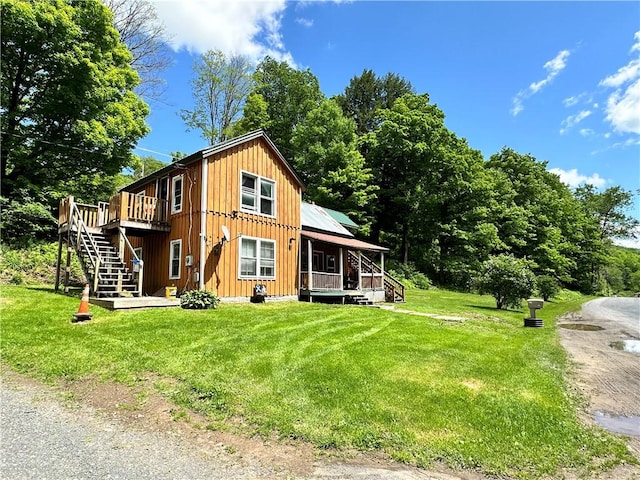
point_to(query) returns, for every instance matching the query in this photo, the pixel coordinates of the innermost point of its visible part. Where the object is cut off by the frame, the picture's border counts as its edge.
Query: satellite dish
(226, 236)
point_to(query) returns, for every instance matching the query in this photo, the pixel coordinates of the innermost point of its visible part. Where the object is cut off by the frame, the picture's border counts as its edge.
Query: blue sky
(558, 80)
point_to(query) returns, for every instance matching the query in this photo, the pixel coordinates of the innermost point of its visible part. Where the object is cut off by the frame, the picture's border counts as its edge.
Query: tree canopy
(69, 115)
(220, 88)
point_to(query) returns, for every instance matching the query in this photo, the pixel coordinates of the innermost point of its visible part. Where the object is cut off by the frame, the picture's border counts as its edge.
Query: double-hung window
(257, 258)
(175, 257)
(258, 194)
(176, 193)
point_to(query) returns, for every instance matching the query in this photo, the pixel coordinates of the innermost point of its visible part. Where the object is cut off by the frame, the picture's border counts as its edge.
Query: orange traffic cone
(83, 311)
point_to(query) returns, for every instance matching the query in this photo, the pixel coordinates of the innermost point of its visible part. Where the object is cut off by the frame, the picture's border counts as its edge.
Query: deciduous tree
(145, 36)
(220, 88)
(289, 95)
(69, 114)
(329, 163)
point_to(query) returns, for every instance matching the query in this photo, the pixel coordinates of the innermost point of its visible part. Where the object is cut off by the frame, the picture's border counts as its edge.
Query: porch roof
(351, 243)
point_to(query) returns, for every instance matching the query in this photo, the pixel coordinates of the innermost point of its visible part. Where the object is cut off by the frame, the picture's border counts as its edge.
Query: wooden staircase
(357, 300)
(107, 273)
(393, 288)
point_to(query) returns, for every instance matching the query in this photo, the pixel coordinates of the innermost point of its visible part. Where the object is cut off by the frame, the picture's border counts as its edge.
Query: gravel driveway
(43, 437)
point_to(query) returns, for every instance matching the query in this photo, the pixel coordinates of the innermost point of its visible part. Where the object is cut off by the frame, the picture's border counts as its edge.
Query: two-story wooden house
(224, 219)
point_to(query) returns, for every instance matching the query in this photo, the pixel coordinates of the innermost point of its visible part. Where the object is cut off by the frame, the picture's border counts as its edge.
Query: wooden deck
(123, 303)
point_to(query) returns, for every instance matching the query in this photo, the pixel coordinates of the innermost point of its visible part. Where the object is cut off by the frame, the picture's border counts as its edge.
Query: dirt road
(606, 375)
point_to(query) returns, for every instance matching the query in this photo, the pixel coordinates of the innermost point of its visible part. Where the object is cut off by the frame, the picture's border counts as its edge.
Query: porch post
(123, 213)
(342, 267)
(67, 269)
(382, 263)
(58, 262)
(360, 270)
(309, 266)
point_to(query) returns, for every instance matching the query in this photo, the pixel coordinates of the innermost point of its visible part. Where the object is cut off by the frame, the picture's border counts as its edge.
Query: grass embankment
(485, 394)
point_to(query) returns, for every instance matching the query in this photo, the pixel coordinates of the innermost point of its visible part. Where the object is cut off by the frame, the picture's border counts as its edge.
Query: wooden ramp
(123, 303)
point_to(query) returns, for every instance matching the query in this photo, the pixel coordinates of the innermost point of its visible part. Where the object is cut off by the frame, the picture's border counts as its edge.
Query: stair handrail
(80, 225)
(135, 258)
(375, 268)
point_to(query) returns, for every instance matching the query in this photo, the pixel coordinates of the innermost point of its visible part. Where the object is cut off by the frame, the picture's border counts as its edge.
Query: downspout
(203, 221)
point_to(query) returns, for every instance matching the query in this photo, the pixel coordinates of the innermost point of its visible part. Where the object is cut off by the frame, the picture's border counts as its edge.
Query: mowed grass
(484, 394)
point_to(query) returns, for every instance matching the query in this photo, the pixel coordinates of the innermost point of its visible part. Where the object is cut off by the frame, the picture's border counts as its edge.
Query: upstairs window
(258, 195)
(176, 194)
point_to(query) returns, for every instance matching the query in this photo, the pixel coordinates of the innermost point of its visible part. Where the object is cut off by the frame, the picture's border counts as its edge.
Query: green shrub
(198, 300)
(408, 274)
(508, 279)
(25, 222)
(36, 265)
(547, 287)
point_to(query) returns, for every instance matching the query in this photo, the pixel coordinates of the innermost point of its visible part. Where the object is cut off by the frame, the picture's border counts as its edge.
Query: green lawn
(483, 394)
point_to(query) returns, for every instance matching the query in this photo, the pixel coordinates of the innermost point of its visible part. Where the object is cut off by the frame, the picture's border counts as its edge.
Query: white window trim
(175, 208)
(257, 276)
(138, 252)
(259, 178)
(172, 258)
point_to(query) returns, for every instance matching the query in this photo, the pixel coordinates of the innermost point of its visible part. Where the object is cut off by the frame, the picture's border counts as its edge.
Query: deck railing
(137, 208)
(122, 206)
(322, 281)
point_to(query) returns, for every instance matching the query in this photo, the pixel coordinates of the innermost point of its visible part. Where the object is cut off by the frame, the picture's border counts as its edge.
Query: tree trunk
(405, 243)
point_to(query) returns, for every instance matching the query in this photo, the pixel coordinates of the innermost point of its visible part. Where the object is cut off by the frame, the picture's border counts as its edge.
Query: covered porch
(334, 268)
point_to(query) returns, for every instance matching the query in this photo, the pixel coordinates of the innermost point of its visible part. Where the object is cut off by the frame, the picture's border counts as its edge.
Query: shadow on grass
(73, 291)
(493, 309)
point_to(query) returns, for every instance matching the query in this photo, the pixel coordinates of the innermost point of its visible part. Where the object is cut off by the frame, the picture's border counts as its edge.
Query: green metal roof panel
(341, 218)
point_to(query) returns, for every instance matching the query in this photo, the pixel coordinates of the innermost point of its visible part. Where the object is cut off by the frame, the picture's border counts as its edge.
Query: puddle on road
(618, 423)
(580, 326)
(631, 346)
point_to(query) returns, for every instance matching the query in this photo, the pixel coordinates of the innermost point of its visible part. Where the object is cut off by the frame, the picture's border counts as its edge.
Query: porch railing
(322, 281)
(393, 288)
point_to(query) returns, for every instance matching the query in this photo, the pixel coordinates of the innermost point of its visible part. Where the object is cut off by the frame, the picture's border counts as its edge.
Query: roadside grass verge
(484, 394)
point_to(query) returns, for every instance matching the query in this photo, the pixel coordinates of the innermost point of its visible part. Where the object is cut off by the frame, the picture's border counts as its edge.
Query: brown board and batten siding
(185, 226)
(225, 169)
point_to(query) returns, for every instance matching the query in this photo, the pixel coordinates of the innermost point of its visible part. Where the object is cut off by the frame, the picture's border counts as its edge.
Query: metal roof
(341, 218)
(351, 243)
(317, 218)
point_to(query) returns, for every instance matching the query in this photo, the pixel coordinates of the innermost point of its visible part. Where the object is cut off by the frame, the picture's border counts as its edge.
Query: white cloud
(624, 74)
(305, 22)
(586, 132)
(573, 178)
(243, 27)
(623, 109)
(571, 101)
(553, 67)
(572, 120)
(629, 242)
(517, 105)
(623, 104)
(636, 46)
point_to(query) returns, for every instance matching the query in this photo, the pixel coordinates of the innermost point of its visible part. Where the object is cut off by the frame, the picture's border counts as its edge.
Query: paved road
(623, 310)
